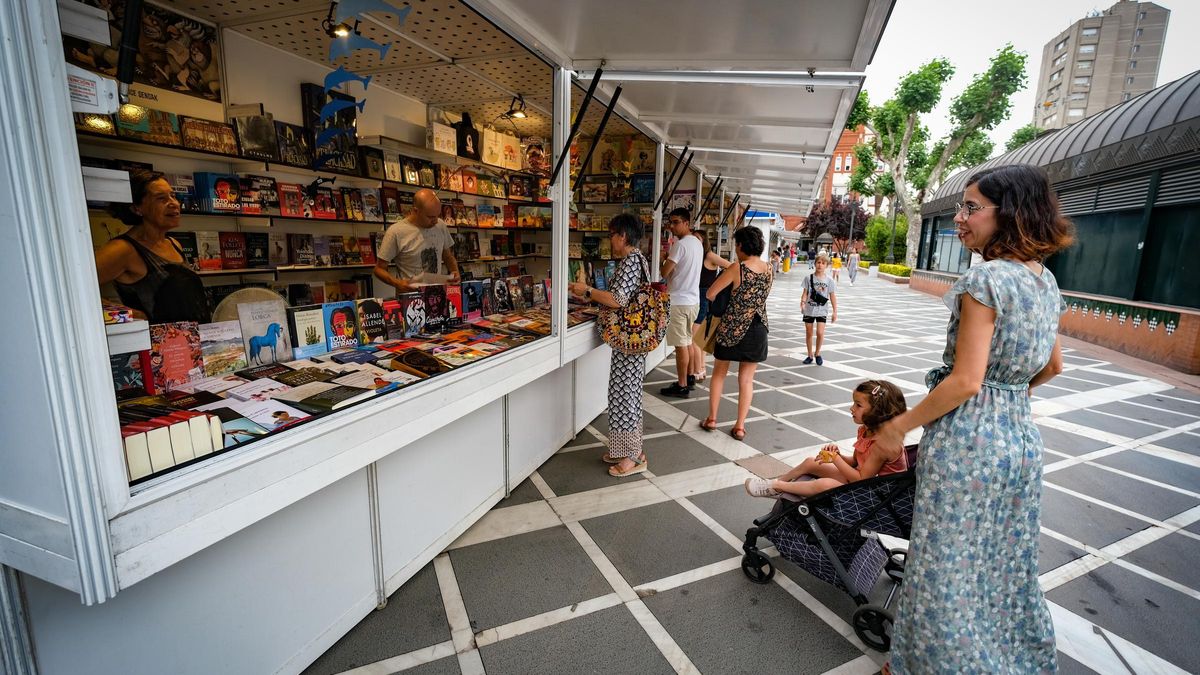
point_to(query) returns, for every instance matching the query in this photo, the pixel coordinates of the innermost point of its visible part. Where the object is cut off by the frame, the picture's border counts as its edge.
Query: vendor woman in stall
(147, 266)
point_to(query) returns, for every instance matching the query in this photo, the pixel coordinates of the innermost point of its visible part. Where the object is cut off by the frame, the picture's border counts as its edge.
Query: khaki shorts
(679, 325)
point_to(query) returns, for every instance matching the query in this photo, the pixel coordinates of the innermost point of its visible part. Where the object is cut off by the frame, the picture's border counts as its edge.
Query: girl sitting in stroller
(875, 402)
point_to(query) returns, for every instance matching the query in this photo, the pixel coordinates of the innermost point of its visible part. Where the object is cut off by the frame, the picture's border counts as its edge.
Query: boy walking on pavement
(681, 270)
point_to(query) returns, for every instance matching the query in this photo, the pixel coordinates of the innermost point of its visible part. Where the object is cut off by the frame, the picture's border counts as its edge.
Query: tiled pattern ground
(581, 572)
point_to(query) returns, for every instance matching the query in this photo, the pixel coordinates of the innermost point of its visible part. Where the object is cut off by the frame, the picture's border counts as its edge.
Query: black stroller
(824, 535)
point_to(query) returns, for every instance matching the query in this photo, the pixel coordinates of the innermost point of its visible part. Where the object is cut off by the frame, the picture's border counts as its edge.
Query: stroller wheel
(873, 625)
(894, 567)
(757, 568)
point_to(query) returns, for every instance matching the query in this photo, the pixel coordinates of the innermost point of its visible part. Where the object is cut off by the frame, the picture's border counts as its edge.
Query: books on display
(264, 331)
(222, 348)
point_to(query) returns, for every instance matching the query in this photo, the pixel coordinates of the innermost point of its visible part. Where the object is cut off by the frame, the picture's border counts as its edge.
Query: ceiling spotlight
(337, 30)
(809, 88)
(516, 109)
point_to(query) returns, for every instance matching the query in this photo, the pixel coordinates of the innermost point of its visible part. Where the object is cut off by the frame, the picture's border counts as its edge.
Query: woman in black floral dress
(627, 371)
(742, 335)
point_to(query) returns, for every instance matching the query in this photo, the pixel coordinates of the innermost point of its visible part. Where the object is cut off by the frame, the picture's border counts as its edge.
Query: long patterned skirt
(625, 377)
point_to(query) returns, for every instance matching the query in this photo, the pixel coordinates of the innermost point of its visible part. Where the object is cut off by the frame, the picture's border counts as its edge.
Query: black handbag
(720, 304)
(813, 296)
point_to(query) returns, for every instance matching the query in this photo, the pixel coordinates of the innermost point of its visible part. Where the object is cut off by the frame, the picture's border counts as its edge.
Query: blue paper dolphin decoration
(344, 45)
(337, 104)
(332, 133)
(341, 76)
(352, 9)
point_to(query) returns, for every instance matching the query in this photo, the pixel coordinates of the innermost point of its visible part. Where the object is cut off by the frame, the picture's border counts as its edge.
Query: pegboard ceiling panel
(439, 84)
(488, 114)
(223, 12)
(455, 30)
(303, 36)
(525, 74)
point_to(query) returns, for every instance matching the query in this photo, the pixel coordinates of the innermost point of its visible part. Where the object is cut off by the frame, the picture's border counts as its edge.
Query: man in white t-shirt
(419, 246)
(681, 270)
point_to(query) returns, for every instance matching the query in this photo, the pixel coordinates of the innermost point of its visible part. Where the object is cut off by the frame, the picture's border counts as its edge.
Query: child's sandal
(709, 424)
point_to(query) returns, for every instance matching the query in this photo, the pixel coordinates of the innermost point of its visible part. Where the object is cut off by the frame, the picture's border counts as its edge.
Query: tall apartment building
(1103, 59)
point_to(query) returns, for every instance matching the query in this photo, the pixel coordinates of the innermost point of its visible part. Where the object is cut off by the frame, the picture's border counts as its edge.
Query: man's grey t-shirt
(414, 250)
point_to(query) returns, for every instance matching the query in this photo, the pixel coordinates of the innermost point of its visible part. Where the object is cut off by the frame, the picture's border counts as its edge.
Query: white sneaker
(760, 487)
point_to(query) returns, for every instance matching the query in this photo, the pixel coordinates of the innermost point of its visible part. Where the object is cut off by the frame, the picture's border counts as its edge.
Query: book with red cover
(510, 215)
(366, 248)
(175, 355)
(324, 204)
(233, 250)
(393, 320)
(291, 200)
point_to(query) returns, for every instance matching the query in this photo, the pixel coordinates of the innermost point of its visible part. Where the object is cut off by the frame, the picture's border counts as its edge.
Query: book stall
(227, 444)
(310, 396)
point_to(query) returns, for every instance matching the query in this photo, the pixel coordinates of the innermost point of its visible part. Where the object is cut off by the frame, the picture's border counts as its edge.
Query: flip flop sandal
(608, 459)
(638, 467)
(738, 433)
(709, 424)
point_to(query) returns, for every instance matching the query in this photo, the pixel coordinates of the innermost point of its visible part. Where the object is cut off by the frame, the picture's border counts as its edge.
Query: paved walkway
(579, 572)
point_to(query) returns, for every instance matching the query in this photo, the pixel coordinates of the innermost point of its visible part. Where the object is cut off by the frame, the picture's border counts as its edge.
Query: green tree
(835, 218)
(1021, 137)
(879, 234)
(901, 141)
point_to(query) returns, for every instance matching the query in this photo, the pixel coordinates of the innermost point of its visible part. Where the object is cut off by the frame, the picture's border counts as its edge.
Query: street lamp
(892, 241)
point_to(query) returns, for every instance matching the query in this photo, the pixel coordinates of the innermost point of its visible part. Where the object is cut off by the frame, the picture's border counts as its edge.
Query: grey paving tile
(729, 386)
(698, 408)
(910, 362)
(1084, 521)
(827, 594)
(787, 637)
(879, 367)
(1114, 425)
(771, 436)
(524, 575)
(414, 618)
(1141, 413)
(445, 666)
(1127, 493)
(524, 493)
(656, 541)
(1081, 360)
(782, 362)
(1189, 443)
(1069, 443)
(678, 452)
(824, 393)
(1096, 376)
(734, 509)
(1140, 610)
(1155, 468)
(650, 423)
(829, 423)
(899, 349)
(1075, 384)
(1053, 553)
(1174, 557)
(778, 402)
(781, 378)
(913, 377)
(866, 352)
(1172, 401)
(608, 641)
(579, 471)
(582, 438)
(1051, 391)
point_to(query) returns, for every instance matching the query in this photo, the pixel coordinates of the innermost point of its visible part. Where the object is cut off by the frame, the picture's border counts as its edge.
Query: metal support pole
(660, 158)
(583, 106)
(560, 196)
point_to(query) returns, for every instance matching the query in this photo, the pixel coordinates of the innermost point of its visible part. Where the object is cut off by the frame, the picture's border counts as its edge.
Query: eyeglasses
(971, 209)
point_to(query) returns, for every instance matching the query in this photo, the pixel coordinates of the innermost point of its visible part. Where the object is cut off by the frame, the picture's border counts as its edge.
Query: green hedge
(896, 270)
(865, 264)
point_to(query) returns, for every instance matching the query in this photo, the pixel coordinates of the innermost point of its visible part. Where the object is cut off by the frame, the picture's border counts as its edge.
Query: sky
(970, 32)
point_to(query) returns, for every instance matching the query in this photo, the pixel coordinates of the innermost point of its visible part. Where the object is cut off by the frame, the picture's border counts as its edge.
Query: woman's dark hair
(1029, 224)
(627, 225)
(702, 235)
(750, 240)
(139, 181)
(886, 399)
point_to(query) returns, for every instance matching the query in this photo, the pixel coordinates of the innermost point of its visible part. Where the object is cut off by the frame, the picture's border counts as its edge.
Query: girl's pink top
(862, 448)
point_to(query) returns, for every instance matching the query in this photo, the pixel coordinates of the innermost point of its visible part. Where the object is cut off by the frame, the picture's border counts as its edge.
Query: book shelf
(276, 271)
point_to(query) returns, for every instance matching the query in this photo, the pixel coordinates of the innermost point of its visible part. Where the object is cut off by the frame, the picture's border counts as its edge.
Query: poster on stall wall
(537, 160)
(641, 155)
(683, 199)
(175, 53)
(609, 155)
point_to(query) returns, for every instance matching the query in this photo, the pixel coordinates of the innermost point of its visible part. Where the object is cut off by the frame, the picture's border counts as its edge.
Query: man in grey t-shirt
(419, 246)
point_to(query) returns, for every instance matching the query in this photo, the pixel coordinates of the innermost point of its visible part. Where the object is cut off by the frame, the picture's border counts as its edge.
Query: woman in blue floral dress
(971, 602)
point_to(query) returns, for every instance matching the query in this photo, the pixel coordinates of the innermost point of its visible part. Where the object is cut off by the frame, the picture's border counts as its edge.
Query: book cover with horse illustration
(264, 331)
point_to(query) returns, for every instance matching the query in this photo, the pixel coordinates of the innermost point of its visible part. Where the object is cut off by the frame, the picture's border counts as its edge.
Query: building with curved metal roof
(1130, 179)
